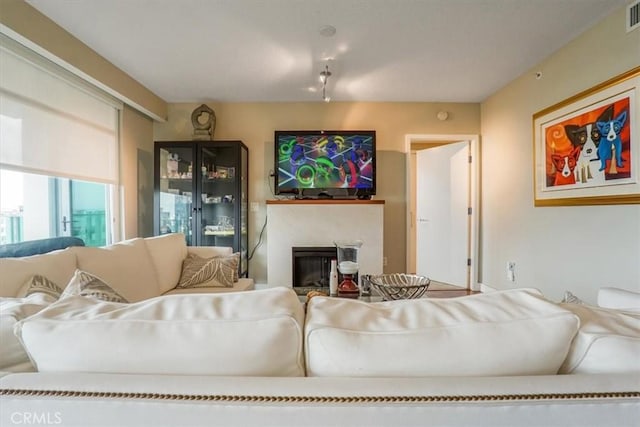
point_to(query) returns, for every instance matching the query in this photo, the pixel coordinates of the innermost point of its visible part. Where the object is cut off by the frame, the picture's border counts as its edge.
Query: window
(58, 152)
(36, 206)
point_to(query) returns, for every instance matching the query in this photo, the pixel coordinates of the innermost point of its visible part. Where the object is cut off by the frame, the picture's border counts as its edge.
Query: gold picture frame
(587, 147)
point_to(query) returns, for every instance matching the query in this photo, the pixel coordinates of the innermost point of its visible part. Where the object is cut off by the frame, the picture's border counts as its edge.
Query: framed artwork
(587, 148)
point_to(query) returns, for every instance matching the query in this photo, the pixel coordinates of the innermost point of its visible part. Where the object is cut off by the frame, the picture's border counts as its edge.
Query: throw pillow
(88, 285)
(236, 255)
(198, 272)
(13, 357)
(571, 298)
(39, 284)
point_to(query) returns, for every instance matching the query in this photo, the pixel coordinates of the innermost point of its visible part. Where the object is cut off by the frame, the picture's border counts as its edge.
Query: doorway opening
(465, 234)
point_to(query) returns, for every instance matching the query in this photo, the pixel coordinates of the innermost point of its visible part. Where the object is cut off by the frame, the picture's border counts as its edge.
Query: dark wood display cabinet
(201, 190)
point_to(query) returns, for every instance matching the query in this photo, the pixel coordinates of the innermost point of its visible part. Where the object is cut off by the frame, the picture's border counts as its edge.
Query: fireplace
(311, 268)
(318, 223)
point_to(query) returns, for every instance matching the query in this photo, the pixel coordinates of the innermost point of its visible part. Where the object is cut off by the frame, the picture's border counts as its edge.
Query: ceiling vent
(633, 16)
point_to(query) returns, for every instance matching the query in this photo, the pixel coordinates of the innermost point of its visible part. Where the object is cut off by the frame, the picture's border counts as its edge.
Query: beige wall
(555, 248)
(136, 173)
(254, 123)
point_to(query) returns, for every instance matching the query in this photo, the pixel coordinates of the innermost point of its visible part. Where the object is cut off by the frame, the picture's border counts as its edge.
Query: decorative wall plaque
(203, 120)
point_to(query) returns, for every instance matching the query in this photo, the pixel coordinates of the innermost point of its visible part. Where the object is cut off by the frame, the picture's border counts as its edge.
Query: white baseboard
(486, 288)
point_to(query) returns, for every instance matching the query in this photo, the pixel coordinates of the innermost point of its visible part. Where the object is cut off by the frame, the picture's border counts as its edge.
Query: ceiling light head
(325, 74)
(324, 77)
(327, 31)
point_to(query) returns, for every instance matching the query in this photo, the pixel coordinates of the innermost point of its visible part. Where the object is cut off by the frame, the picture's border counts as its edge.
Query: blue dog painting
(611, 141)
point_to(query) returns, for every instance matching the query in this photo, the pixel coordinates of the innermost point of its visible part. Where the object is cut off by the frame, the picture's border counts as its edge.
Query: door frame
(474, 196)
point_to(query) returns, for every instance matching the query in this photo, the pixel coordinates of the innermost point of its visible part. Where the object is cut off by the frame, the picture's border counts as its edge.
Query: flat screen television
(331, 164)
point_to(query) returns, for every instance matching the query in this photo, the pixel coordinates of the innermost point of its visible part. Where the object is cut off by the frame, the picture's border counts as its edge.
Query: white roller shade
(51, 125)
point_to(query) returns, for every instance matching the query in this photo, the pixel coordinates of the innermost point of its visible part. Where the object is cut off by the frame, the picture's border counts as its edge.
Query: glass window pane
(38, 206)
(88, 212)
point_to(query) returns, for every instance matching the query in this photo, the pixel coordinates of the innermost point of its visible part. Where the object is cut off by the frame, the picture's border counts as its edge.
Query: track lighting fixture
(324, 77)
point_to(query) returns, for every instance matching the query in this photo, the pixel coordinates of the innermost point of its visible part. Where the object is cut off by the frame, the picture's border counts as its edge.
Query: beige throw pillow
(88, 285)
(39, 284)
(570, 298)
(198, 272)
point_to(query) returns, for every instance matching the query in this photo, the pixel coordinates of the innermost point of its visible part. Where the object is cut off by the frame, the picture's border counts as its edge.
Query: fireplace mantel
(305, 222)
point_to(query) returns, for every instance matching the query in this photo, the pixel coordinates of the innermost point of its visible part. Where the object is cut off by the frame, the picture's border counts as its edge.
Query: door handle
(65, 222)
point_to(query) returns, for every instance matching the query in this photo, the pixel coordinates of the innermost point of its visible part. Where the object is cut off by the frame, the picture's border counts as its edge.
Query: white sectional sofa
(137, 269)
(262, 358)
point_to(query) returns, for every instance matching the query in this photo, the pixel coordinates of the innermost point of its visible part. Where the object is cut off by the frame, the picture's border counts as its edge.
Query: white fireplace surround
(320, 223)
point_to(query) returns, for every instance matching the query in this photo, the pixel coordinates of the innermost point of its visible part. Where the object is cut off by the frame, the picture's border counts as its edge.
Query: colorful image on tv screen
(325, 161)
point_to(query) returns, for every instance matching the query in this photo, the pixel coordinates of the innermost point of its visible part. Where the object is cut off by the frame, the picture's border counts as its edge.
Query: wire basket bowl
(396, 286)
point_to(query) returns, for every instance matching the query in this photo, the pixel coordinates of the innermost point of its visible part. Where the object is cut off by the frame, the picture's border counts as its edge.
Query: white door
(443, 222)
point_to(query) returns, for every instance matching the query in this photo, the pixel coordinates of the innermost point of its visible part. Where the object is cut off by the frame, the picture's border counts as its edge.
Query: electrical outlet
(384, 261)
(511, 271)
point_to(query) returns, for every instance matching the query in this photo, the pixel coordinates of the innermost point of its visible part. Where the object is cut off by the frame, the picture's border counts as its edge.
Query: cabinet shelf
(212, 180)
(220, 233)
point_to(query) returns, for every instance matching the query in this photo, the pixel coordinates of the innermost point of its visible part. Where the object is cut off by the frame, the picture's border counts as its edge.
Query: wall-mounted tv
(325, 163)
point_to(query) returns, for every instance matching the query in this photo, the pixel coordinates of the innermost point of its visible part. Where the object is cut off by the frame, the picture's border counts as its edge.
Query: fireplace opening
(312, 267)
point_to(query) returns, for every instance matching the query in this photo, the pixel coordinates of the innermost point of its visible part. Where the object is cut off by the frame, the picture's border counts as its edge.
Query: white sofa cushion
(12, 355)
(515, 332)
(167, 252)
(255, 333)
(125, 266)
(57, 266)
(608, 341)
(620, 299)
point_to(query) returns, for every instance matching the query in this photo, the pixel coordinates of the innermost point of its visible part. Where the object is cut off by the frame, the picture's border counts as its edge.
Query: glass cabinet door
(201, 190)
(244, 210)
(176, 189)
(218, 194)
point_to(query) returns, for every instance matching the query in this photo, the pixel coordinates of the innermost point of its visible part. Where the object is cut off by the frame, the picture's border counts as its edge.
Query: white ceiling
(272, 50)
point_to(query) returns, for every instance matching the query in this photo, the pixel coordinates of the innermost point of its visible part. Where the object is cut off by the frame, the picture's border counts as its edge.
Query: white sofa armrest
(620, 299)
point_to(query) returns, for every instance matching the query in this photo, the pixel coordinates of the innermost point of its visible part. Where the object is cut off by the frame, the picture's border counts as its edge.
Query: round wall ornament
(203, 120)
